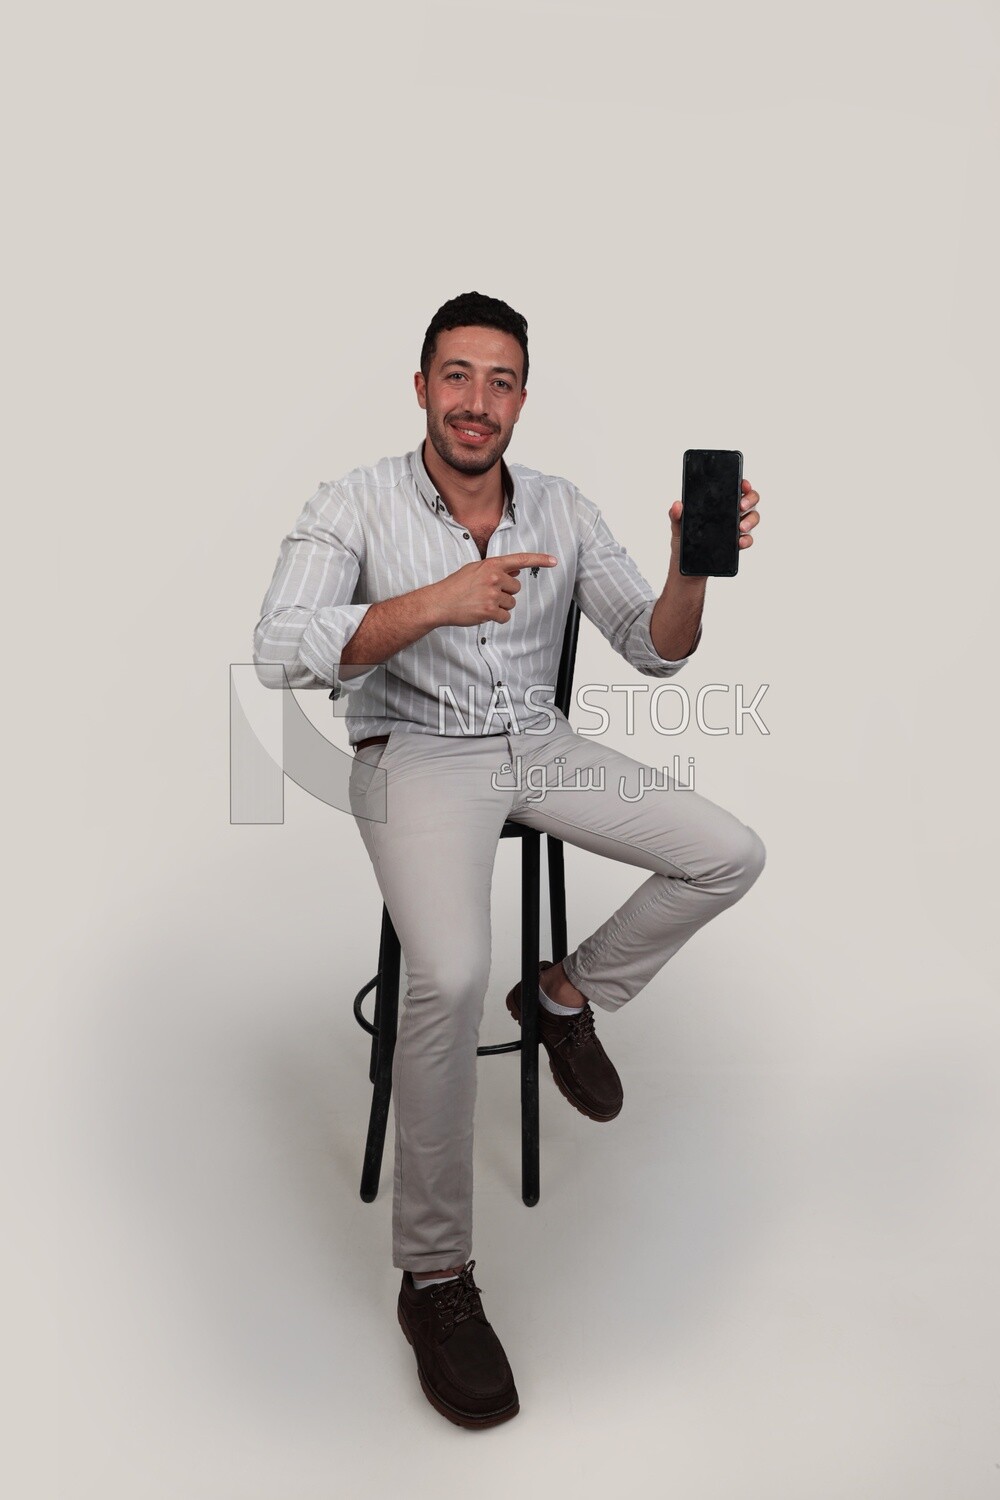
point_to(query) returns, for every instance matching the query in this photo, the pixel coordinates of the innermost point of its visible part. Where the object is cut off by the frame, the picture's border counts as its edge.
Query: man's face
(472, 396)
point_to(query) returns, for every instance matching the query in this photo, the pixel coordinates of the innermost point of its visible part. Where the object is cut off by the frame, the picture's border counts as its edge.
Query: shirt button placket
(498, 684)
(483, 640)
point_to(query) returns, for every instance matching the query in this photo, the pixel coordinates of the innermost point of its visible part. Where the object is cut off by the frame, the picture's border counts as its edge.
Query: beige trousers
(430, 809)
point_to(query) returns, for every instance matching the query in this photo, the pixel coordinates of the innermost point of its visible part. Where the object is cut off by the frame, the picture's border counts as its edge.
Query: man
(433, 588)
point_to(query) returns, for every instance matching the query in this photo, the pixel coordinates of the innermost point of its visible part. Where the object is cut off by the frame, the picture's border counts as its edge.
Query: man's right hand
(483, 590)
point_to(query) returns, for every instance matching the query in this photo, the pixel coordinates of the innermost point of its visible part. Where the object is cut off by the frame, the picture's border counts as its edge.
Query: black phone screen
(710, 519)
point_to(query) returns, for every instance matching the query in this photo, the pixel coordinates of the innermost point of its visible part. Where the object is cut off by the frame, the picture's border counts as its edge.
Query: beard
(465, 460)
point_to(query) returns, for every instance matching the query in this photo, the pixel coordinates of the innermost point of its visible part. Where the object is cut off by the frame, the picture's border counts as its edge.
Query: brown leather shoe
(461, 1363)
(580, 1066)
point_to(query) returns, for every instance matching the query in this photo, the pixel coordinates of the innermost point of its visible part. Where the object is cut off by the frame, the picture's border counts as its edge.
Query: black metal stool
(386, 982)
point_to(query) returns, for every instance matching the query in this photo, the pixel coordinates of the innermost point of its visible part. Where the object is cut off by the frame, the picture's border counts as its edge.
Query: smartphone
(710, 521)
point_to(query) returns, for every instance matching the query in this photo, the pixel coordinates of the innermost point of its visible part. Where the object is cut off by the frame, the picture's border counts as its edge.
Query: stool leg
(387, 1010)
(530, 900)
(557, 896)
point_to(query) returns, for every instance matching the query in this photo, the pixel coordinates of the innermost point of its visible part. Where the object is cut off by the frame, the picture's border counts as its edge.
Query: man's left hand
(749, 518)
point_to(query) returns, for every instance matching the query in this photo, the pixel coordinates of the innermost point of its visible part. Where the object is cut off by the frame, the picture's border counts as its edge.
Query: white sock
(554, 1007)
(433, 1280)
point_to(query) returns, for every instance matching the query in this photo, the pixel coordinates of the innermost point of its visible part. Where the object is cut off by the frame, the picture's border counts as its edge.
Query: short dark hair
(474, 310)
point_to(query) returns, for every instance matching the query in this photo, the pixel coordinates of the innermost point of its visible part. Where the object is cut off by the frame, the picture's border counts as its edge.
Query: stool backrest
(567, 661)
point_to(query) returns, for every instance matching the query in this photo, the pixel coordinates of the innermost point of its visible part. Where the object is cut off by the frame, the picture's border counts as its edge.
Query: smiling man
(433, 589)
(461, 440)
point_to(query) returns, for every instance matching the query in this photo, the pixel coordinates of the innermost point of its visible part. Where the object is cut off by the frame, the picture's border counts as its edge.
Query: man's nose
(477, 392)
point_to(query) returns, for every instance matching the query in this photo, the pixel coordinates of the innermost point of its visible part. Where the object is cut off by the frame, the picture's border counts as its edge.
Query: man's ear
(420, 386)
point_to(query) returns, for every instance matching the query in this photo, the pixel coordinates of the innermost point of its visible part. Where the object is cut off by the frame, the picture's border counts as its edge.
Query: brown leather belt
(381, 739)
(373, 739)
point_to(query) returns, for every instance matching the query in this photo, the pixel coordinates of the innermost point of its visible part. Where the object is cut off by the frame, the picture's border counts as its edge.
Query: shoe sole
(515, 1011)
(460, 1418)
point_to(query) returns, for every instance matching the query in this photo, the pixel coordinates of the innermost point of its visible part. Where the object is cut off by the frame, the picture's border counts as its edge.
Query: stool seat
(382, 1028)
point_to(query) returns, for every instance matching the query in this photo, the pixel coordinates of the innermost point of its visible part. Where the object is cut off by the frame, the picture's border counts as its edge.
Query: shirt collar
(434, 501)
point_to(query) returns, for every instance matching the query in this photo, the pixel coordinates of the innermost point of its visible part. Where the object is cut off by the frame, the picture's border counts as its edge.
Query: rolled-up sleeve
(615, 596)
(307, 616)
(644, 655)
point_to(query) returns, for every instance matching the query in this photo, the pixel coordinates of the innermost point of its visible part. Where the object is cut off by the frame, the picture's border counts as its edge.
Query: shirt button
(466, 535)
(482, 640)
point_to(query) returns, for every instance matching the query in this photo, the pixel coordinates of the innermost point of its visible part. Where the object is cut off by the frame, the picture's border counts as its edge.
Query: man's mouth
(472, 432)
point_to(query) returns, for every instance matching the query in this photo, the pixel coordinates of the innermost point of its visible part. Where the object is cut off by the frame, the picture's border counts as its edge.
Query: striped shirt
(384, 530)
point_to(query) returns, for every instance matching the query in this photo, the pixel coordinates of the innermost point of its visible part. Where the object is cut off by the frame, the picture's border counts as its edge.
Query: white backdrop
(766, 228)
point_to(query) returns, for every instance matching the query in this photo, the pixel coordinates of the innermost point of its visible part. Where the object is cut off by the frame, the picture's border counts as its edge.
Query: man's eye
(504, 384)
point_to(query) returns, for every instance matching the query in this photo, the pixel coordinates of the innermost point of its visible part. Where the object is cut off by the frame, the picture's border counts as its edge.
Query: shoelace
(581, 1027)
(459, 1299)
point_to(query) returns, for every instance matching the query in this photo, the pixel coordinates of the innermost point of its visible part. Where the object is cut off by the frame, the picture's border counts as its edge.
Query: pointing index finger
(515, 560)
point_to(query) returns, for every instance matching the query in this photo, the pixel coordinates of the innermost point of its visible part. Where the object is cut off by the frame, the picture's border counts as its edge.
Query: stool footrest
(372, 1029)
